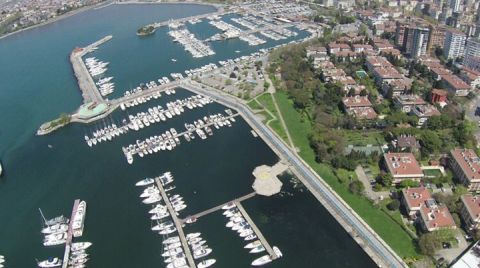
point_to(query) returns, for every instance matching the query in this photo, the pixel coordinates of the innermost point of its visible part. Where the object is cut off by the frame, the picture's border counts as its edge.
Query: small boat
(206, 263)
(172, 252)
(177, 256)
(246, 233)
(159, 216)
(250, 237)
(162, 226)
(257, 249)
(174, 60)
(152, 199)
(80, 245)
(56, 228)
(229, 206)
(158, 209)
(197, 254)
(191, 220)
(262, 260)
(168, 230)
(277, 252)
(170, 240)
(50, 262)
(145, 182)
(193, 235)
(253, 244)
(194, 240)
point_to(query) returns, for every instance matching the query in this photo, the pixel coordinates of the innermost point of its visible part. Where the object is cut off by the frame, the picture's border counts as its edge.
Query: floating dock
(219, 207)
(257, 232)
(178, 224)
(66, 255)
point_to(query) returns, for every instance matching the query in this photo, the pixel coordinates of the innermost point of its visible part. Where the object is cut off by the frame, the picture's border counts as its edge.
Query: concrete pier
(183, 20)
(219, 207)
(90, 92)
(178, 224)
(257, 232)
(66, 255)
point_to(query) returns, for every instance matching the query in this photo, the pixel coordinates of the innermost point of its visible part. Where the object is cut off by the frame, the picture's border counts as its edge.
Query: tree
(431, 142)
(356, 187)
(385, 179)
(228, 82)
(394, 205)
(409, 183)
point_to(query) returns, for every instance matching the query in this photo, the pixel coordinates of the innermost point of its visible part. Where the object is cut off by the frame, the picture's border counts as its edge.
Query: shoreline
(100, 6)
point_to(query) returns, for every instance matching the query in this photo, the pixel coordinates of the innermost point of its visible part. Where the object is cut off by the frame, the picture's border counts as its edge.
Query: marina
(170, 139)
(109, 193)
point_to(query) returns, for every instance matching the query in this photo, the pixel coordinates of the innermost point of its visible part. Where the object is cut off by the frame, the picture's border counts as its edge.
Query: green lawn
(267, 102)
(254, 105)
(362, 138)
(385, 226)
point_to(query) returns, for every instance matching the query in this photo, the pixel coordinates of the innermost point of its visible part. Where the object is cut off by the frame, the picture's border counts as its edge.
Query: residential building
(359, 107)
(419, 43)
(402, 166)
(470, 211)
(454, 46)
(424, 112)
(456, 85)
(435, 217)
(465, 164)
(439, 96)
(472, 54)
(407, 143)
(413, 199)
(471, 77)
(407, 102)
(436, 38)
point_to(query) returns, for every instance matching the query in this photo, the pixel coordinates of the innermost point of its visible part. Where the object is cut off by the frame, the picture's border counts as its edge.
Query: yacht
(206, 263)
(172, 252)
(172, 246)
(277, 252)
(162, 226)
(257, 249)
(159, 216)
(177, 263)
(229, 206)
(56, 239)
(253, 244)
(152, 199)
(193, 235)
(250, 237)
(197, 254)
(145, 182)
(168, 230)
(50, 262)
(158, 209)
(80, 246)
(56, 228)
(262, 260)
(173, 239)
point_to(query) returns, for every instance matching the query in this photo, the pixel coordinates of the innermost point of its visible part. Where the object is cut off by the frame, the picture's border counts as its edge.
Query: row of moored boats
(239, 224)
(170, 138)
(173, 252)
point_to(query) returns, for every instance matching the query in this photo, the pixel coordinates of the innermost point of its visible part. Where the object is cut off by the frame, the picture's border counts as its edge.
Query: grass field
(390, 230)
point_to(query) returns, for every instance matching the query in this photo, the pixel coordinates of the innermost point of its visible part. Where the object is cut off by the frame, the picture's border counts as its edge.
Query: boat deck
(219, 207)
(178, 224)
(257, 232)
(66, 254)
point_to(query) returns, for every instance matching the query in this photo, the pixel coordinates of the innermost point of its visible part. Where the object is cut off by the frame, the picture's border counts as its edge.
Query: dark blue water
(37, 84)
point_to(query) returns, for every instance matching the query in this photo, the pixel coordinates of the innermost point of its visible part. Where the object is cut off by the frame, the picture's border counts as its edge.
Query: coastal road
(383, 255)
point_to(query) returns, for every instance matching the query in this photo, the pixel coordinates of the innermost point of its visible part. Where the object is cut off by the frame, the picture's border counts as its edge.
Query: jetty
(257, 232)
(178, 224)
(217, 208)
(66, 255)
(90, 92)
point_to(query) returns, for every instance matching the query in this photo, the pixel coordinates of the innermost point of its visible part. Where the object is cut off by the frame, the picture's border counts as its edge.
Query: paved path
(372, 195)
(375, 247)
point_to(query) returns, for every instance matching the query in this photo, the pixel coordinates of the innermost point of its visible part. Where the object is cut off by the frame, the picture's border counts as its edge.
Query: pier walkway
(178, 224)
(219, 207)
(66, 255)
(89, 90)
(257, 232)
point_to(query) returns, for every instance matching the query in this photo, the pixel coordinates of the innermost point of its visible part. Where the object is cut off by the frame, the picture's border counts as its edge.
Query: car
(469, 238)
(446, 245)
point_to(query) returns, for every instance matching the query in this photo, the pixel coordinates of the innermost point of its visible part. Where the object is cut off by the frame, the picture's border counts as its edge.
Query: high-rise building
(455, 5)
(436, 38)
(454, 44)
(419, 42)
(472, 54)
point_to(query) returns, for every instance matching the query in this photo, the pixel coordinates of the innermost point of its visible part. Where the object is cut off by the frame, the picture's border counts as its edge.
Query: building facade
(454, 46)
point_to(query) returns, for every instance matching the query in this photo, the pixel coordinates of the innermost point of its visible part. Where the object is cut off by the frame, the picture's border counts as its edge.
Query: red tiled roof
(403, 165)
(363, 112)
(437, 217)
(455, 82)
(472, 203)
(415, 197)
(356, 101)
(468, 161)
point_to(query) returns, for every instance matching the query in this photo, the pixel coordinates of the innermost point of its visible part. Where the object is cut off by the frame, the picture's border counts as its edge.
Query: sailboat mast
(43, 216)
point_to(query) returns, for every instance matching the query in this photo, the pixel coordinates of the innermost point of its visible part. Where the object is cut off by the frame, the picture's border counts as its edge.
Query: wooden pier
(178, 224)
(219, 207)
(257, 232)
(66, 255)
